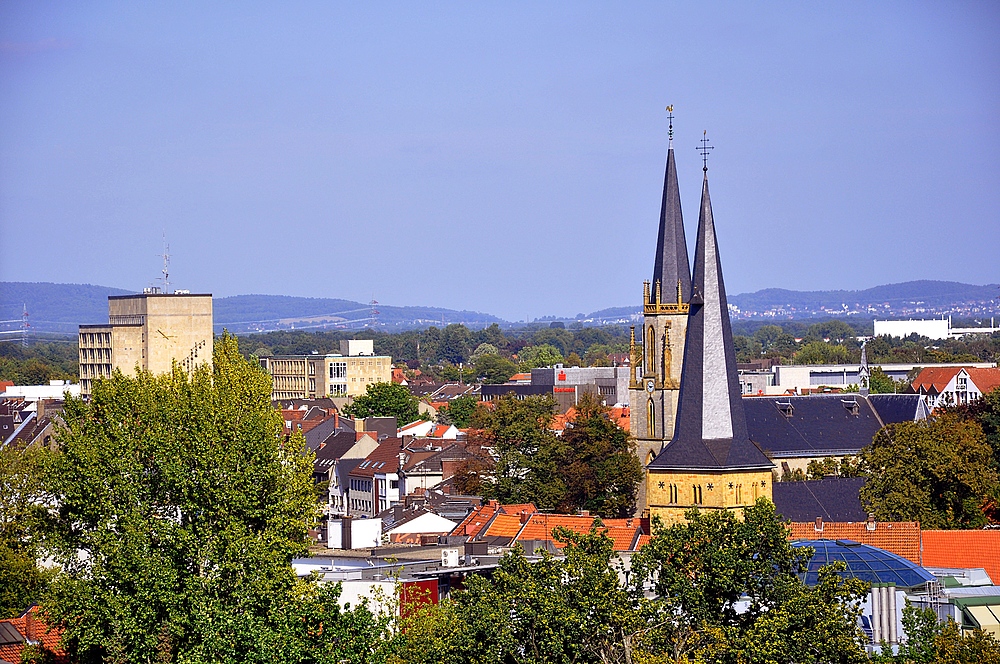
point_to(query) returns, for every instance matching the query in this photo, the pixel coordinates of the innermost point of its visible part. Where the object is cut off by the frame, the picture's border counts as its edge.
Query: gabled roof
(711, 430)
(896, 408)
(934, 377)
(963, 549)
(383, 459)
(832, 498)
(986, 379)
(29, 626)
(812, 425)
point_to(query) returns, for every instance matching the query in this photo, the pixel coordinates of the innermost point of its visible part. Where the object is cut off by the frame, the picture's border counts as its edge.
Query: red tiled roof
(503, 525)
(477, 518)
(963, 549)
(517, 508)
(936, 377)
(986, 380)
(900, 537)
(539, 526)
(623, 537)
(32, 628)
(642, 541)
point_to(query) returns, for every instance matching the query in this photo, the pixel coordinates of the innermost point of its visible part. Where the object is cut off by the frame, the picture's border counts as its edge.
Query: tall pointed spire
(671, 265)
(711, 430)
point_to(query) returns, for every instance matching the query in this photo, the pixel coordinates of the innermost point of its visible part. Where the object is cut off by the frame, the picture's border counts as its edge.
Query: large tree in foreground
(180, 507)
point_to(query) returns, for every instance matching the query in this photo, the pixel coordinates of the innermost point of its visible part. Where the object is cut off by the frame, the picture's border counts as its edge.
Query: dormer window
(785, 407)
(852, 406)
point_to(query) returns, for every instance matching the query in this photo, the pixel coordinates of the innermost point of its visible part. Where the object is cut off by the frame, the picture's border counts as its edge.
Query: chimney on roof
(870, 524)
(525, 516)
(584, 512)
(336, 420)
(819, 524)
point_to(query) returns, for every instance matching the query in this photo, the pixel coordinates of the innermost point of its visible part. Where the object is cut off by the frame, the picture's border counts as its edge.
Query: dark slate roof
(711, 430)
(327, 428)
(833, 498)
(895, 408)
(818, 424)
(671, 262)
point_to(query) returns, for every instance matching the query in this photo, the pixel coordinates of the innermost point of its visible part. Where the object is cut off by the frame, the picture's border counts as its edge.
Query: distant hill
(918, 299)
(60, 308)
(54, 307)
(908, 294)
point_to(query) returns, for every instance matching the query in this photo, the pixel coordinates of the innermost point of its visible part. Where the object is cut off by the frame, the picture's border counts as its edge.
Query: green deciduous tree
(555, 610)
(179, 505)
(599, 467)
(385, 400)
(523, 453)
(818, 352)
(939, 472)
(459, 411)
(494, 370)
(701, 568)
(22, 496)
(544, 355)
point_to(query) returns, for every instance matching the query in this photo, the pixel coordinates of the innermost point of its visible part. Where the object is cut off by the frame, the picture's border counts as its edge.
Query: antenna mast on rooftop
(166, 265)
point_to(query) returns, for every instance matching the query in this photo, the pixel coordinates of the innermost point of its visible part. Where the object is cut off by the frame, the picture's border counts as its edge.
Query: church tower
(710, 461)
(657, 348)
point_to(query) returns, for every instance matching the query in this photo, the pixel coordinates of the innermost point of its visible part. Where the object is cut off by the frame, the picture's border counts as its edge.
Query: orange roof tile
(539, 526)
(986, 380)
(936, 377)
(622, 537)
(963, 548)
(901, 537)
(503, 525)
(517, 508)
(477, 518)
(33, 628)
(642, 541)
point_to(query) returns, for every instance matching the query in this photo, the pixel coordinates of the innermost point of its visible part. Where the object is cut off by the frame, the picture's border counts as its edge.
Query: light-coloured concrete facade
(149, 332)
(316, 376)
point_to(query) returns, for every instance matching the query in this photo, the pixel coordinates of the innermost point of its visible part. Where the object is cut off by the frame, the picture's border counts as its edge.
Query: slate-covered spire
(671, 263)
(711, 429)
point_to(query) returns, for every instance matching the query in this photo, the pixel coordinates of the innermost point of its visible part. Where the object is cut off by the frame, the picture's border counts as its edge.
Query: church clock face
(650, 386)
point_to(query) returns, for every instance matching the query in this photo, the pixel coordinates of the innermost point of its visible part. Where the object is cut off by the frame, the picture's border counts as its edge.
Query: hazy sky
(501, 157)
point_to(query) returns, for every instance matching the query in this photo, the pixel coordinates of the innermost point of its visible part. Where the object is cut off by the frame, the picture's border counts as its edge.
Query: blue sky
(502, 157)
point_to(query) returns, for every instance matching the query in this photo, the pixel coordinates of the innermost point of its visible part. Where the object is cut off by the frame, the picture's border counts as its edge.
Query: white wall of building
(932, 329)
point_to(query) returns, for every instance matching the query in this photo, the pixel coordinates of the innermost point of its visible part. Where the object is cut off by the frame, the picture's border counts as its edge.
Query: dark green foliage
(702, 567)
(39, 362)
(940, 472)
(599, 467)
(592, 466)
(22, 517)
(459, 411)
(385, 400)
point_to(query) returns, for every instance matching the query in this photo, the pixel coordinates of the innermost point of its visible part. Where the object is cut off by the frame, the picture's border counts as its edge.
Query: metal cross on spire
(704, 149)
(670, 118)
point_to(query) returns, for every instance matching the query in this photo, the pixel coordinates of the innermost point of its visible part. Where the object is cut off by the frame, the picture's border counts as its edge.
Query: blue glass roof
(864, 562)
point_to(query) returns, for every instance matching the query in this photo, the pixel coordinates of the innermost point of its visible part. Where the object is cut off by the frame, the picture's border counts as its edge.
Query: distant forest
(493, 354)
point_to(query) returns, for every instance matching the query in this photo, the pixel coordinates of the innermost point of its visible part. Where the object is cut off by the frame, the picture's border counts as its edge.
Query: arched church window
(651, 418)
(650, 350)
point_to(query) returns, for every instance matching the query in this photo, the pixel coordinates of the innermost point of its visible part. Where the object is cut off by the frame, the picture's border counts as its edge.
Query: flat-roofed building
(147, 331)
(346, 374)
